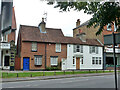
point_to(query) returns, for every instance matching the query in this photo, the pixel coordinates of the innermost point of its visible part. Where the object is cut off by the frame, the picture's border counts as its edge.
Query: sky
(30, 12)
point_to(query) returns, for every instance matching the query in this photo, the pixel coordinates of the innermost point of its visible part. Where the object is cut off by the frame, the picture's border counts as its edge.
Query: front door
(6, 61)
(26, 63)
(77, 63)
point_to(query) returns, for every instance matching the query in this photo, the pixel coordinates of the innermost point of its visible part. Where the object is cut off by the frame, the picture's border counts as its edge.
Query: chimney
(42, 26)
(78, 23)
(82, 37)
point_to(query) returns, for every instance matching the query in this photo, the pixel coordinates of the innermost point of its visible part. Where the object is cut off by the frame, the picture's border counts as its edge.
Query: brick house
(91, 33)
(5, 44)
(41, 47)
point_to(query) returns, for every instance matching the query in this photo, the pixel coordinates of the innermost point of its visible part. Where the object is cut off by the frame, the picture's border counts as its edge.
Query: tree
(103, 12)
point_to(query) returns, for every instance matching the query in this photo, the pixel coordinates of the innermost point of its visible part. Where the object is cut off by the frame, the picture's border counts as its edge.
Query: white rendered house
(87, 54)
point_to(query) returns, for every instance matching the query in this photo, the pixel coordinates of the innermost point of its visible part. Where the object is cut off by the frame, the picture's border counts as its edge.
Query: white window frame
(97, 61)
(58, 47)
(54, 60)
(38, 59)
(78, 48)
(93, 49)
(34, 46)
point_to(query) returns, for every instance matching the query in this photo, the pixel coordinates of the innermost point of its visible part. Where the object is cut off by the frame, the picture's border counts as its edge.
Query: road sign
(109, 41)
(6, 16)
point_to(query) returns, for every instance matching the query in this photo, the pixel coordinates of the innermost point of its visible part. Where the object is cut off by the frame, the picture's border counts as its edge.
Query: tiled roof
(52, 35)
(13, 20)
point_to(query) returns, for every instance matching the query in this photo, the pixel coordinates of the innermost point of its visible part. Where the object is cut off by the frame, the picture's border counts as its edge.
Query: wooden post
(54, 72)
(64, 72)
(31, 75)
(17, 75)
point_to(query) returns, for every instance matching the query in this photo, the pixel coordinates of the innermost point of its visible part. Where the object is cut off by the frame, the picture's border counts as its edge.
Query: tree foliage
(103, 12)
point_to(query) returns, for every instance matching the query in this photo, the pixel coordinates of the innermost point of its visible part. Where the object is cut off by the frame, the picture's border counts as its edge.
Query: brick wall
(26, 52)
(17, 63)
(11, 36)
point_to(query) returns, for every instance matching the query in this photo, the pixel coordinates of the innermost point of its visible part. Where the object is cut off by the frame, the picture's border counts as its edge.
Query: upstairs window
(58, 47)
(78, 48)
(93, 49)
(38, 60)
(109, 27)
(54, 60)
(34, 46)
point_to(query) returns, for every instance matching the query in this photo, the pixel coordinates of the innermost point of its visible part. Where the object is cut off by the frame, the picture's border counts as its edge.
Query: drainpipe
(45, 54)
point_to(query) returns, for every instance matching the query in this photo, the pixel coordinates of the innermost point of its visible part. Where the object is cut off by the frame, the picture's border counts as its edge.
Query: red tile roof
(32, 33)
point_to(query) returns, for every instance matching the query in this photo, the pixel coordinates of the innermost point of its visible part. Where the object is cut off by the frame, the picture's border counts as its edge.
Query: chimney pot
(78, 23)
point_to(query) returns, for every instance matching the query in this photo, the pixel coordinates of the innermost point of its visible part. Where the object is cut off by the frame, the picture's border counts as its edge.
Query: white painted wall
(87, 58)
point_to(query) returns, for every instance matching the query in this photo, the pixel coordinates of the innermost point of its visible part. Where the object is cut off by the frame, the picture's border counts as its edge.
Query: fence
(51, 73)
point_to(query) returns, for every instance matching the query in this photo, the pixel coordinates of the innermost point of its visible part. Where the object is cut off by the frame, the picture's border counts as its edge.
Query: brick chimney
(42, 26)
(78, 23)
(81, 36)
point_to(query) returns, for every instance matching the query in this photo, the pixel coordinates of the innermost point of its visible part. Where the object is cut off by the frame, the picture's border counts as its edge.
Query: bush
(52, 68)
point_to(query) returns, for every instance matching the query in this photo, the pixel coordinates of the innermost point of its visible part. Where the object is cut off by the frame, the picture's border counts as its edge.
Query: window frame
(78, 48)
(33, 50)
(51, 63)
(39, 60)
(58, 45)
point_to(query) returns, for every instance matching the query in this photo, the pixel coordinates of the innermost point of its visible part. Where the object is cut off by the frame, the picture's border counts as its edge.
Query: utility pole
(114, 58)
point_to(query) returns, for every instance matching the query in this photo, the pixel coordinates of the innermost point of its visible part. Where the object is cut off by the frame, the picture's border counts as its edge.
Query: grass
(35, 74)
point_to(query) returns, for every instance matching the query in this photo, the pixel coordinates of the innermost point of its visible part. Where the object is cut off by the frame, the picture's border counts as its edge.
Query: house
(91, 33)
(83, 53)
(5, 44)
(41, 47)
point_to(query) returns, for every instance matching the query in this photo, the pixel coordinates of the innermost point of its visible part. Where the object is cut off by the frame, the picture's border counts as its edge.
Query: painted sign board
(12, 55)
(108, 39)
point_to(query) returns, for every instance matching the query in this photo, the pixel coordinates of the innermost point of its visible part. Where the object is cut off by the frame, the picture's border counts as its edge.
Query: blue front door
(26, 63)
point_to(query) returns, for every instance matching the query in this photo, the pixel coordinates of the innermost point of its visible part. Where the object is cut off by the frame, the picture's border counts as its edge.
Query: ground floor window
(110, 61)
(96, 60)
(6, 60)
(54, 60)
(38, 59)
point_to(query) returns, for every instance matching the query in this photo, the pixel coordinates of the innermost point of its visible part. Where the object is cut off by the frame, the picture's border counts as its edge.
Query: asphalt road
(106, 81)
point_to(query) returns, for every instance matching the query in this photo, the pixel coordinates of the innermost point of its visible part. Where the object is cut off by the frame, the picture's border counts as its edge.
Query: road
(106, 81)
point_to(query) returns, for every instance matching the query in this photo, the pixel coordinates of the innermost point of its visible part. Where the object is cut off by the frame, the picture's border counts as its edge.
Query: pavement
(53, 77)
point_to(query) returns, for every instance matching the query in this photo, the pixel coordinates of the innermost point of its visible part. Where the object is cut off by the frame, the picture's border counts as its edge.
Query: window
(96, 60)
(73, 60)
(81, 60)
(109, 27)
(54, 60)
(58, 47)
(78, 48)
(38, 60)
(34, 46)
(5, 38)
(93, 60)
(93, 49)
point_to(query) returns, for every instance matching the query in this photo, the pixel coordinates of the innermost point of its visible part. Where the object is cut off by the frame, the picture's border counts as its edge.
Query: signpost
(109, 40)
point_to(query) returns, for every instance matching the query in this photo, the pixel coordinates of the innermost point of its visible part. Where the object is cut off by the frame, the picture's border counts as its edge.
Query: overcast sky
(30, 12)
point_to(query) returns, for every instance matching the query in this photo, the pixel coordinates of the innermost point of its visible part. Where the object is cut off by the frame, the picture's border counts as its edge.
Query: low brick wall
(112, 68)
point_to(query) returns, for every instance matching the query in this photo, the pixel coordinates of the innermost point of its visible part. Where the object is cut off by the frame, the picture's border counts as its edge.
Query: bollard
(7, 74)
(103, 71)
(73, 71)
(64, 72)
(31, 75)
(43, 73)
(89, 71)
(54, 73)
(17, 75)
